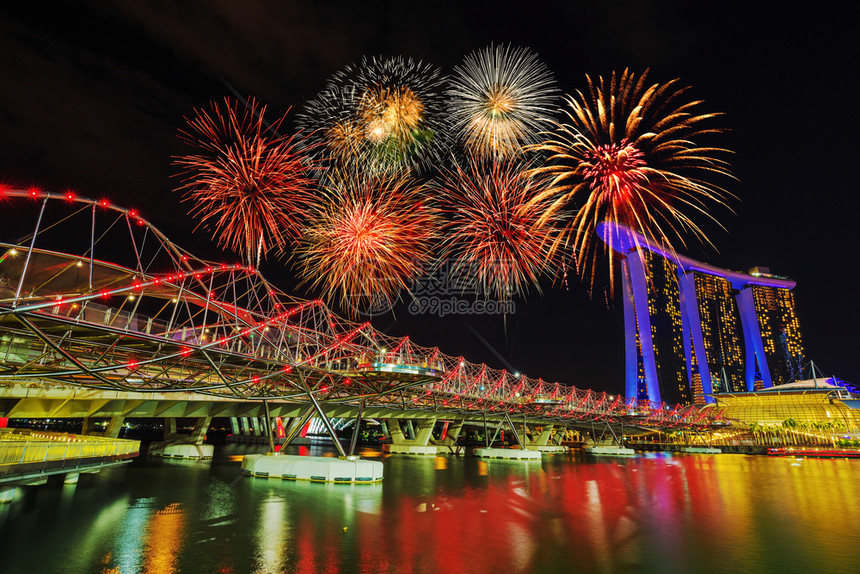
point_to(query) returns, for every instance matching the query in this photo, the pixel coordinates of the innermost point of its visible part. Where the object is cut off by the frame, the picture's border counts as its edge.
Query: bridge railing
(19, 448)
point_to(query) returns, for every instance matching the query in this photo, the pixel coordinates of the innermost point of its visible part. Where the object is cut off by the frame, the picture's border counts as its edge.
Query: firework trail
(496, 234)
(247, 183)
(369, 236)
(628, 154)
(384, 115)
(501, 99)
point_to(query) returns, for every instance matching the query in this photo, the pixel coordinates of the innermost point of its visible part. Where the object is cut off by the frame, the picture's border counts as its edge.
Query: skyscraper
(692, 329)
(667, 334)
(721, 333)
(780, 332)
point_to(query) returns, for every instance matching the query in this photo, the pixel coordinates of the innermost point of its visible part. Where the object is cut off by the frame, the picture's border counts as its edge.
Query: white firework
(500, 99)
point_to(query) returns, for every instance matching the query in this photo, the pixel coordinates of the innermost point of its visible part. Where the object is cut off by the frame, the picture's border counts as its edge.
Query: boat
(815, 452)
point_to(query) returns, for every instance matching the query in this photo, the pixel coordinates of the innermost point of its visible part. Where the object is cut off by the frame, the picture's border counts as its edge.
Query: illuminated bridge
(102, 315)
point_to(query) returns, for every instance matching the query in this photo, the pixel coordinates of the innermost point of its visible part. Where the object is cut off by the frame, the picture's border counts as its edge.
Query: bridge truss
(93, 295)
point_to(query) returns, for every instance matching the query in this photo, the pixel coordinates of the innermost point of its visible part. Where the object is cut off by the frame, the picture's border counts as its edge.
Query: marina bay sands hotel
(692, 329)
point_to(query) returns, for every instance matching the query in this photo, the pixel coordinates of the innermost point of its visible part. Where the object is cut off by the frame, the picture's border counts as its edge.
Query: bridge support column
(449, 437)
(71, 478)
(521, 453)
(169, 428)
(234, 425)
(541, 443)
(88, 427)
(201, 427)
(114, 426)
(183, 446)
(294, 428)
(7, 494)
(417, 445)
(255, 425)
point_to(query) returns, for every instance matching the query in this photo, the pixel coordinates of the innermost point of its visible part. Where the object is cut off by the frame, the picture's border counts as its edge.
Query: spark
(247, 182)
(369, 237)
(383, 115)
(629, 153)
(495, 234)
(500, 99)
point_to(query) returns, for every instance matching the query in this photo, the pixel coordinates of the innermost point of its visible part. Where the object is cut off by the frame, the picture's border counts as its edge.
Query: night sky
(92, 95)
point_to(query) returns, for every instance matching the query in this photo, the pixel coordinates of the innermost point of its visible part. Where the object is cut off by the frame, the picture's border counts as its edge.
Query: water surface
(570, 513)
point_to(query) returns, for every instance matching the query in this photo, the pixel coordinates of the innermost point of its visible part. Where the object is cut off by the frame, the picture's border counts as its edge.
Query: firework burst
(248, 183)
(496, 235)
(629, 155)
(369, 236)
(384, 115)
(500, 99)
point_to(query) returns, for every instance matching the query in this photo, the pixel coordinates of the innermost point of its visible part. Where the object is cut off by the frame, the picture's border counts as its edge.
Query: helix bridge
(92, 295)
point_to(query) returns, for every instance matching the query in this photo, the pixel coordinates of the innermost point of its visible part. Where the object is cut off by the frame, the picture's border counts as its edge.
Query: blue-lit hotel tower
(692, 329)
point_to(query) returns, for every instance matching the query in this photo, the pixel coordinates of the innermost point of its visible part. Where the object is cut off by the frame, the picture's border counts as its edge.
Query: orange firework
(383, 115)
(496, 235)
(249, 183)
(630, 154)
(368, 238)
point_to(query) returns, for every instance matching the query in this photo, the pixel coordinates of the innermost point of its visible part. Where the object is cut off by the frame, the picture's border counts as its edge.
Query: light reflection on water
(653, 513)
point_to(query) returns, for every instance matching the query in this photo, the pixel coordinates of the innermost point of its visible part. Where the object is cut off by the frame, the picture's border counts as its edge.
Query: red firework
(629, 153)
(495, 235)
(368, 238)
(249, 183)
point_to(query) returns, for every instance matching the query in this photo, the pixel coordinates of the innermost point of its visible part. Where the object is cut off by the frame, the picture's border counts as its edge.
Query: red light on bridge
(69, 195)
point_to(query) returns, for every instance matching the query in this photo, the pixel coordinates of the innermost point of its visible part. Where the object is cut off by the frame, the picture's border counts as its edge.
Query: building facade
(692, 329)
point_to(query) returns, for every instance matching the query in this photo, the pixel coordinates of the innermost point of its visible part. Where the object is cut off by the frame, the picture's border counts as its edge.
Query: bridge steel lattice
(94, 296)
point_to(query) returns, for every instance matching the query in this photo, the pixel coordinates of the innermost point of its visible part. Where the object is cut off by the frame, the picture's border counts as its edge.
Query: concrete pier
(426, 450)
(547, 448)
(701, 450)
(181, 449)
(508, 453)
(7, 494)
(350, 470)
(610, 450)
